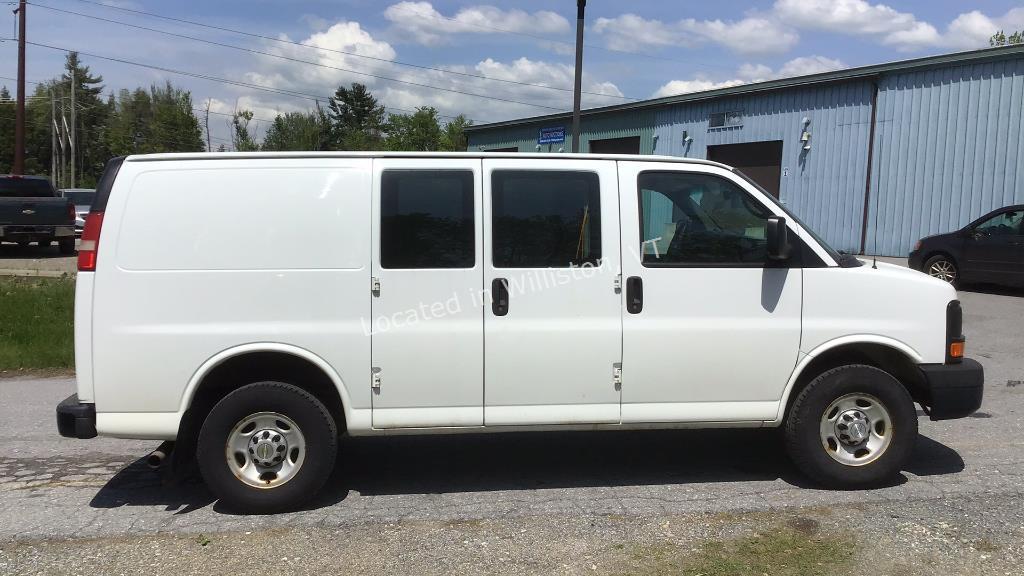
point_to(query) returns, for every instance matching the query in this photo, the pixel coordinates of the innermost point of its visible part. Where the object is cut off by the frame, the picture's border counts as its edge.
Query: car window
(25, 188)
(427, 219)
(1005, 224)
(545, 218)
(80, 198)
(694, 219)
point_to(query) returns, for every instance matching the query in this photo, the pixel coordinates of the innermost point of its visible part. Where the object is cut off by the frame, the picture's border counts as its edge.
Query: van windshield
(836, 255)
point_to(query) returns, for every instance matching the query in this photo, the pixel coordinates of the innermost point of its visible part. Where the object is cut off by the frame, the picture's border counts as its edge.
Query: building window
(726, 119)
(426, 219)
(545, 219)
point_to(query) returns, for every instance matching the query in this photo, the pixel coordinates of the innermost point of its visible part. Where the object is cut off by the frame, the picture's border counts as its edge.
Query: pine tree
(357, 119)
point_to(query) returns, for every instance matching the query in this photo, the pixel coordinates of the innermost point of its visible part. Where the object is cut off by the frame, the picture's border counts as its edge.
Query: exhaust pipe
(157, 457)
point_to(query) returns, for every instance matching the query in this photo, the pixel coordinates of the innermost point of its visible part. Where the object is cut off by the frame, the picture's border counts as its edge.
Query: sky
(488, 61)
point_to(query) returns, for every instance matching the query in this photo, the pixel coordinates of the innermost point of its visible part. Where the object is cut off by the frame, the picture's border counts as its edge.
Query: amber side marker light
(956, 349)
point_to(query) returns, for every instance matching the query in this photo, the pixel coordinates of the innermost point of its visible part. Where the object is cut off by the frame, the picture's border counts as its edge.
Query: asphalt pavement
(529, 502)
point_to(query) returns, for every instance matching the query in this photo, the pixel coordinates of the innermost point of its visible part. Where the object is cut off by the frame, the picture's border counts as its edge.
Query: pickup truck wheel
(66, 245)
(267, 447)
(851, 427)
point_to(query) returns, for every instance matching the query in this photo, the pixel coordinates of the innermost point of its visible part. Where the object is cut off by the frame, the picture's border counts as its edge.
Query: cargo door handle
(634, 295)
(499, 296)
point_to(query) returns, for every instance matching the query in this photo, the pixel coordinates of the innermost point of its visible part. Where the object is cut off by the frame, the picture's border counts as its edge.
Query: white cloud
(429, 27)
(748, 73)
(901, 30)
(751, 35)
(494, 102)
(674, 87)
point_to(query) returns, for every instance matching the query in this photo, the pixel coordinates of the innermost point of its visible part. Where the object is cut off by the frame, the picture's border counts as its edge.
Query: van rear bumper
(76, 419)
(954, 390)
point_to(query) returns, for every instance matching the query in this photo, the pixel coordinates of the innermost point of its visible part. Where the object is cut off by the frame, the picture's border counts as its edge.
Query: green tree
(241, 138)
(4, 94)
(356, 119)
(414, 132)
(297, 131)
(91, 114)
(1001, 39)
(453, 138)
(160, 120)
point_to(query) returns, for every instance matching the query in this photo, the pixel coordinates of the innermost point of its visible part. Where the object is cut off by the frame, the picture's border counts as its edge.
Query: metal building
(872, 158)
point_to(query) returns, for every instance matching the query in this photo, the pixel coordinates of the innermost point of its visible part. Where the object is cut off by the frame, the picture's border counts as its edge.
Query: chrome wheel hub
(943, 270)
(856, 429)
(265, 450)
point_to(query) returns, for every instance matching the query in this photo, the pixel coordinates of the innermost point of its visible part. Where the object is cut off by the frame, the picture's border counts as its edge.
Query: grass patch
(780, 552)
(37, 323)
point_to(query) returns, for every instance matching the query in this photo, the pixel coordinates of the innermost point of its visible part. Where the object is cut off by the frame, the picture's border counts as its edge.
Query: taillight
(71, 211)
(88, 248)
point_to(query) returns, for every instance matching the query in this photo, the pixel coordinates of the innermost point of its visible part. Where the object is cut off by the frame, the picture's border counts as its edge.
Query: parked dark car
(32, 211)
(990, 249)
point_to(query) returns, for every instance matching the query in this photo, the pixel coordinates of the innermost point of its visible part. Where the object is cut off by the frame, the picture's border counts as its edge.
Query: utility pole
(208, 147)
(581, 6)
(74, 130)
(19, 108)
(53, 139)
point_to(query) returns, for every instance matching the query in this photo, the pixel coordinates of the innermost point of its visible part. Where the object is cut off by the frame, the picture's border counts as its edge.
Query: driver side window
(1005, 224)
(699, 219)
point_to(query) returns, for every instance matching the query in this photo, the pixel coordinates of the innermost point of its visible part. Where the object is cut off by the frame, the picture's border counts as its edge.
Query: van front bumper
(76, 419)
(954, 390)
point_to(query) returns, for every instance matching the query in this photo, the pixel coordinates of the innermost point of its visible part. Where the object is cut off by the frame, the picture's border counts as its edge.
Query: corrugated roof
(846, 74)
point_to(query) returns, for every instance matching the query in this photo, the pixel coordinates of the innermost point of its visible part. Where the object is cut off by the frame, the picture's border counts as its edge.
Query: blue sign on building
(554, 135)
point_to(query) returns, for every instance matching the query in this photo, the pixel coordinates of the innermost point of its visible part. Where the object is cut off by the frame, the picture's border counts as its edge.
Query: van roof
(350, 154)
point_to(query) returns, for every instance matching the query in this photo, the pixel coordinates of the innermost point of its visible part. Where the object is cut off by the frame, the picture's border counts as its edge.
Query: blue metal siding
(614, 125)
(824, 185)
(948, 149)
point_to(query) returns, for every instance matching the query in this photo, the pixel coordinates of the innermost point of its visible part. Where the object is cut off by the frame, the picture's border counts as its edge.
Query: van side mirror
(777, 237)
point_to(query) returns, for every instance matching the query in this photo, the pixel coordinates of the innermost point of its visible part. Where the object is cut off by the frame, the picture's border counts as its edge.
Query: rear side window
(426, 219)
(689, 219)
(545, 219)
(25, 188)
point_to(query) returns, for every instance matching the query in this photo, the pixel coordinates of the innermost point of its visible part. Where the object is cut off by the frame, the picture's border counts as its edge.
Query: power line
(552, 40)
(387, 78)
(294, 43)
(270, 89)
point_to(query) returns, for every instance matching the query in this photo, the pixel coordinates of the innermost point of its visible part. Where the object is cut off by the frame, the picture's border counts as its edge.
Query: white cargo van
(253, 307)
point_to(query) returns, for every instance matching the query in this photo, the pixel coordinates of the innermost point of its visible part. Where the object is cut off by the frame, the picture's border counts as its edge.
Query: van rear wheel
(851, 427)
(267, 447)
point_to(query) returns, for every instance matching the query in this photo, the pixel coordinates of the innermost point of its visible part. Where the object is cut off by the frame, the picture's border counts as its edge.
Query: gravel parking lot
(574, 503)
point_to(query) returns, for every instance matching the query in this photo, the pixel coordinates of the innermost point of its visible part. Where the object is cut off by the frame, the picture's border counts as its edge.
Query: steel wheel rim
(265, 450)
(856, 429)
(943, 270)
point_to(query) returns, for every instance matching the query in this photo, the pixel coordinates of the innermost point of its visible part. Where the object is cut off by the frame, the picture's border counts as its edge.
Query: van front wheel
(267, 447)
(851, 427)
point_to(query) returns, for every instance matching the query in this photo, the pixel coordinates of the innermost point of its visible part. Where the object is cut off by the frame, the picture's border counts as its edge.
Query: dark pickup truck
(32, 211)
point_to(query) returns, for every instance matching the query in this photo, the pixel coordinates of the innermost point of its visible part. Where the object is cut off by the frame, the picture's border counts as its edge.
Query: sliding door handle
(499, 296)
(634, 295)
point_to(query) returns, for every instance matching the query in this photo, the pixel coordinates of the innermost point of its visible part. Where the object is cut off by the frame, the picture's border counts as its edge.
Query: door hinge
(617, 375)
(375, 379)
(375, 285)
(617, 283)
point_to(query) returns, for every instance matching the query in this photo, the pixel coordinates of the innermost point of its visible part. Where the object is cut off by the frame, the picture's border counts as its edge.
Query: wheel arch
(939, 252)
(888, 354)
(234, 367)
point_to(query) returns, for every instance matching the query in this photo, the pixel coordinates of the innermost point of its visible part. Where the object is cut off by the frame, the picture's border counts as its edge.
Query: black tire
(810, 453)
(308, 413)
(940, 259)
(66, 245)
